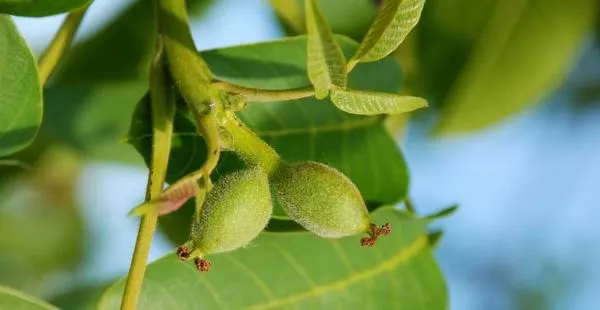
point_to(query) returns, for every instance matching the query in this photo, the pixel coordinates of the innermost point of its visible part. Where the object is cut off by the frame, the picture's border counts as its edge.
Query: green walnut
(321, 199)
(234, 213)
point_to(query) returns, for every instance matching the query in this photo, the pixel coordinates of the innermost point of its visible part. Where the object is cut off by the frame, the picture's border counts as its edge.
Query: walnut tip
(183, 253)
(202, 264)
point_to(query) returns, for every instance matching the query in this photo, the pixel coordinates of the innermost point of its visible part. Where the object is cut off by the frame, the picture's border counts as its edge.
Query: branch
(249, 146)
(60, 44)
(163, 111)
(189, 71)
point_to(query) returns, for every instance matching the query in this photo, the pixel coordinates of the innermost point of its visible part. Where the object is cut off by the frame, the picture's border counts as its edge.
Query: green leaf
(393, 23)
(483, 69)
(106, 73)
(347, 17)
(303, 271)
(373, 103)
(434, 237)
(39, 7)
(13, 299)
(326, 64)
(442, 213)
(20, 91)
(306, 129)
(103, 74)
(90, 125)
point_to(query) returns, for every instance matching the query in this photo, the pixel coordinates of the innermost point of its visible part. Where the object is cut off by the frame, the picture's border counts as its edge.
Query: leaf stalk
(265, 95)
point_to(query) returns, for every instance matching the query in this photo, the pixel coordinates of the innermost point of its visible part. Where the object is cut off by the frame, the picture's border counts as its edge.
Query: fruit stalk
(249, 146)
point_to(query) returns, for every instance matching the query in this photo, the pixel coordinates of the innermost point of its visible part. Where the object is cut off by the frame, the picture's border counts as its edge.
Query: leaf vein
(401, 257)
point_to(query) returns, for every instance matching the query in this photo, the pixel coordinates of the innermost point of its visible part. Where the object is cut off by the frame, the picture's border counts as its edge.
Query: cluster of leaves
(295, 129)
(327, 72)
(477, 62)
(475, 71)
(320, 125)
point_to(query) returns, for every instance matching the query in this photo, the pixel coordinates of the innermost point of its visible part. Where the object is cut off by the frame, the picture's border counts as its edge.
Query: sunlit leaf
(20, 91)
(326, 64)
(393, 23)
(373, 103)
(303, 271)
(501, 60)
(13, 299)
(39, 7)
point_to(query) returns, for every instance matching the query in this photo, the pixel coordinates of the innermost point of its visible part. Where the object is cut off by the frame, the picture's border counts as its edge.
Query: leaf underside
(325, 62)
(391, 26)
(373, 103)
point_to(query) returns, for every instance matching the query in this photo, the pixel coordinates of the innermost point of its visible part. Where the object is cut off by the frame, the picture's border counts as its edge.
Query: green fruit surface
(235, 212)
(321, 199)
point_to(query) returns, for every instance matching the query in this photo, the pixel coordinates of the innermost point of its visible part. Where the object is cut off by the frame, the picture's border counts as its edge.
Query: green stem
(249, 146)
(263, 95)
(350, 65)
(192, 77)
(60, 44)
(190, 73)
(207, 127)
(163, 111)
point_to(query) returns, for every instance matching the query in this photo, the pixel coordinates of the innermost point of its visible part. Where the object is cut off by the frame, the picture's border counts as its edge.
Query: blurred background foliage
(514, 87)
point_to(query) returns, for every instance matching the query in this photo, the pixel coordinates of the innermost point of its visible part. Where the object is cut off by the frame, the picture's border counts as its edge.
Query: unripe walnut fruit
(321, 199)
(234, 213)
